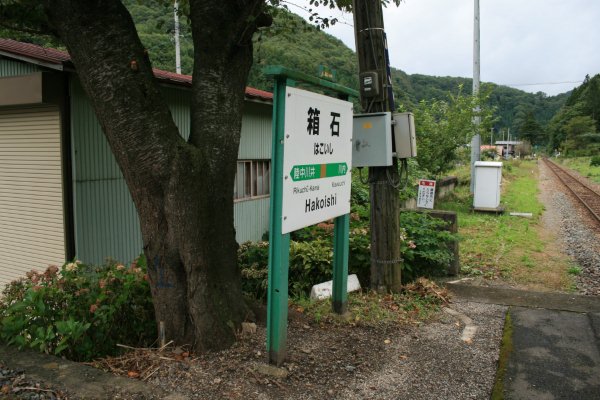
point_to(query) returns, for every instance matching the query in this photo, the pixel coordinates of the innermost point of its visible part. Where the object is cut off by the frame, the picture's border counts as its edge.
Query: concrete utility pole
(371, 48)
(476, 140)
(176, 34)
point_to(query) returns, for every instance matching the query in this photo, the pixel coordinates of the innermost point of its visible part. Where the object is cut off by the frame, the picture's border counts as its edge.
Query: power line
(339, 20)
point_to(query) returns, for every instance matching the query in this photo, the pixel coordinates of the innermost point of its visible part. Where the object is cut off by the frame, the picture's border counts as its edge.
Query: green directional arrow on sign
(318, 171)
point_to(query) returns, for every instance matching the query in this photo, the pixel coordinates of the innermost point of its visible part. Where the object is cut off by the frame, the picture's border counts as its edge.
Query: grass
(418, 302)
(517, 250)
(574, 270)
(582, 165)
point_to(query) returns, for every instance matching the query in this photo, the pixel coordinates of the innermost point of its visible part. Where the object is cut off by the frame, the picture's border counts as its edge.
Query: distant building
(496, 149)
(62, 194)
(507, 147)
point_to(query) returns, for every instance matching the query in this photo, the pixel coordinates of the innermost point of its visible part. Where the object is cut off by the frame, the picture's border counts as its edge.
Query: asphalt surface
(552, 344)
(555, 355)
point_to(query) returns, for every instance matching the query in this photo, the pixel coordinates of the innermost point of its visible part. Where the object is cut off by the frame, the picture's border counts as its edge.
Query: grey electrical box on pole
(369, 84)
(372, 140)
(405, 137)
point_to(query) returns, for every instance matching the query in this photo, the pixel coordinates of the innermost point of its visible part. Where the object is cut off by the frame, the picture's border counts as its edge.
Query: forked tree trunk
(183, 191)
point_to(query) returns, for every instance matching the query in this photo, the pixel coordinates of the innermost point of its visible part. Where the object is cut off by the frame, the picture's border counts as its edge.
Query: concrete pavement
(551, 347)
(555, 355)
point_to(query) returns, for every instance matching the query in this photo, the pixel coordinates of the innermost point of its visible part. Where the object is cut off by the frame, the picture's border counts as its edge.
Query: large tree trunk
(183, 191)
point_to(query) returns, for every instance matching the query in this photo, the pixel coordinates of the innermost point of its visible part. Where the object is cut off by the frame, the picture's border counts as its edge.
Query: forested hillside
(294, 43)
(575, 128)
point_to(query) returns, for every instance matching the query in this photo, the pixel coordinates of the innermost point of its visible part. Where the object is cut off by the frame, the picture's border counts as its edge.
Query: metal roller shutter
(31, 192)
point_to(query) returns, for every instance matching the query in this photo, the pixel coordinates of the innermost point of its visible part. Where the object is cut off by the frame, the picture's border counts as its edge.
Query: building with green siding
(62, 194)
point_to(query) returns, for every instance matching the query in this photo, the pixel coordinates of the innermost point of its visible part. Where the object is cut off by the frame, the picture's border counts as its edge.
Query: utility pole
(176, 34)
(371, 48)
(476, 140)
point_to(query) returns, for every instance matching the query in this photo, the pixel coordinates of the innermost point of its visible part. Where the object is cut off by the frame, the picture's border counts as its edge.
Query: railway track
(586, 195)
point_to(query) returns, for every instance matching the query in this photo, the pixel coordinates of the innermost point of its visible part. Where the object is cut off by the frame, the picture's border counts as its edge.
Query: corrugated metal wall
(251, 219)
(16, 68)
(106, 222)
(179, 103)
(255, 143)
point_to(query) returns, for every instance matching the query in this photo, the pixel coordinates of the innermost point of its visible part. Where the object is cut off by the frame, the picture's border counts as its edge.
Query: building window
(252, 179)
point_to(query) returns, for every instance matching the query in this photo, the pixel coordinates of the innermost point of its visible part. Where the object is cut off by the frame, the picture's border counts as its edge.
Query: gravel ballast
(575, 231)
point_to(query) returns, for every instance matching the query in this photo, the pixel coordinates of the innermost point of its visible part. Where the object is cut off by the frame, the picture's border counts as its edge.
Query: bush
(424, 249)
(79, 311)
(310, 263)
(595, 161)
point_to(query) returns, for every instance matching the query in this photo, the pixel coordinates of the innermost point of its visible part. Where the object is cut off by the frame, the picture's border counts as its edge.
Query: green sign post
(279, 249)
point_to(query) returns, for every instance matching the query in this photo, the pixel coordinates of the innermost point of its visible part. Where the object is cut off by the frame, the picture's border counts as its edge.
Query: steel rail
(555, 167)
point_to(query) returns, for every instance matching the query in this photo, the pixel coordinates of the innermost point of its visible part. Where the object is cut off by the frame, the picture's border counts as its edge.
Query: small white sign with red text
(426, 194)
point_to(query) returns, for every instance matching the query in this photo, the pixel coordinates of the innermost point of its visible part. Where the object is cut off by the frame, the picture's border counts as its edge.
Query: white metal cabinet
(488, 180)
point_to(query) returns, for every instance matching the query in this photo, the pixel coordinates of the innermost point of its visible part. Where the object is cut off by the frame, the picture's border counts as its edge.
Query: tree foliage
(531, 131)
(574, 127)
(582, 137)
(443, 126)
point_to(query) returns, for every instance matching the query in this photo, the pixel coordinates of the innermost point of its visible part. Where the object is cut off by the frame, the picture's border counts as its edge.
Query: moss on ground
(506, 348)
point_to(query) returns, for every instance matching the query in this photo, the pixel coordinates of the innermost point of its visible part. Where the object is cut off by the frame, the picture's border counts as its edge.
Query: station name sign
(317, 159)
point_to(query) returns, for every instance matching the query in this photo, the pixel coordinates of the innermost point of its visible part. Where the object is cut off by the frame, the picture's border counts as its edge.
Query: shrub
(79, 311)
(253, 261)
(424, 249)
(310, 263)
(595, 161)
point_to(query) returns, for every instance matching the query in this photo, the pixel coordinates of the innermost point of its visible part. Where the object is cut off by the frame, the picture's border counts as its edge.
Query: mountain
(575, 128)
(294, 43)
(304, 47)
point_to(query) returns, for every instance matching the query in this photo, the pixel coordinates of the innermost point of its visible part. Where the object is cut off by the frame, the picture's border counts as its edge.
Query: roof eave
(31, 60)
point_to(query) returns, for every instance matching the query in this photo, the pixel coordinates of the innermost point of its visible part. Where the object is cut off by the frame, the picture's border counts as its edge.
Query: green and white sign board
(317, 159)
(310, 182)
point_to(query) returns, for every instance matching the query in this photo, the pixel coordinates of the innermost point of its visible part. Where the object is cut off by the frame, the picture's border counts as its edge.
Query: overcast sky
(522, 41)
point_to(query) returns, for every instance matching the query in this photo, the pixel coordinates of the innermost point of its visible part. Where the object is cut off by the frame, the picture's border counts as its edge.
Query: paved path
(555, 355)
(552, 343)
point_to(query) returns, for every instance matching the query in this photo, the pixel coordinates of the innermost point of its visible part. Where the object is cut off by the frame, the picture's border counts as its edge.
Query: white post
(176, 34)
(476, 51)
(476, 141)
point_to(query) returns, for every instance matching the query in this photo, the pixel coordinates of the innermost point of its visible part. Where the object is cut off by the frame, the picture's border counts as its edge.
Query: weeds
(416, 303)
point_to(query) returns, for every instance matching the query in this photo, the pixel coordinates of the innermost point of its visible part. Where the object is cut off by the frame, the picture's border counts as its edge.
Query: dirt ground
(345, 361)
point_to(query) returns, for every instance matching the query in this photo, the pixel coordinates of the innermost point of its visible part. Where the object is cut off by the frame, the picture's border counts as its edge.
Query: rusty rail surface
(586, 195)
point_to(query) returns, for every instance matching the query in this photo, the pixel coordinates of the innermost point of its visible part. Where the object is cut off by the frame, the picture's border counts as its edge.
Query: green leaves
(443, 126)
(424, 247)
(425, 250)
(79, 311)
